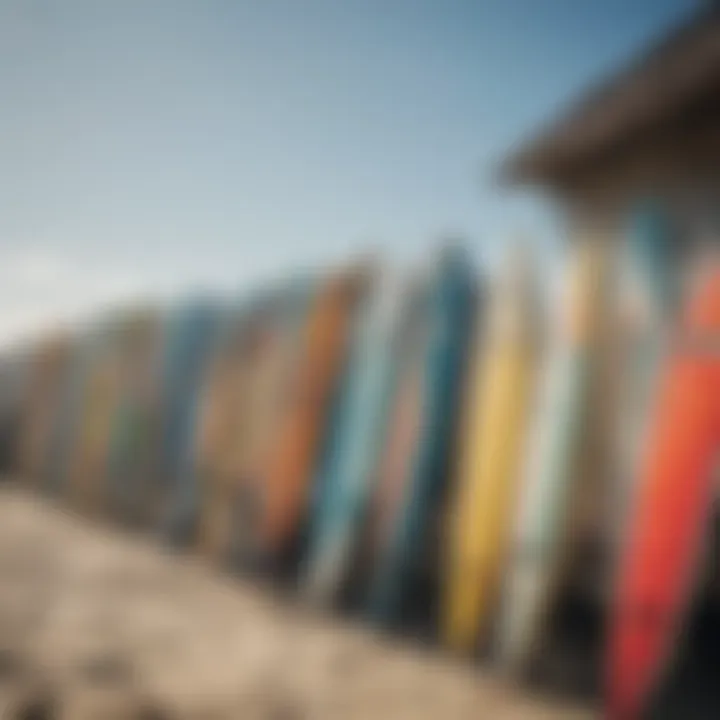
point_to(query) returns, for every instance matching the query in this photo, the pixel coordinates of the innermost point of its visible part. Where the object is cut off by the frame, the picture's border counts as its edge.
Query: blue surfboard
(188, 343)
(648, 302)
(356, 443)
(449, 310)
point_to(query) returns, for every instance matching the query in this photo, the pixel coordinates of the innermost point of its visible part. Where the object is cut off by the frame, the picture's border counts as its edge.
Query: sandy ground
(95, 624)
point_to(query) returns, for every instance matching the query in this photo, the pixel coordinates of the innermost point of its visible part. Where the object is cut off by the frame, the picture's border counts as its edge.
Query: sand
(99, 624)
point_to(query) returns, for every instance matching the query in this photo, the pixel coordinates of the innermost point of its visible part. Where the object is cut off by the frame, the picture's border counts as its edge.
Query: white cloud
(40, 289)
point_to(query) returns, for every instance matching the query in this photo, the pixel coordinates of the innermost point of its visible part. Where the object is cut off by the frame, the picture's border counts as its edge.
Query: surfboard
(542, 537)
(277, 347)
(394, 469)
(323, 349)
(188, 343)
(87, 478)
(332, 433)
(648, 304)
(13, 377)
(222, 433)
(357, 443)
(48, 360)
(493, 441)
(670, 522)
(449, 315)
(68, 414)
(134, 427)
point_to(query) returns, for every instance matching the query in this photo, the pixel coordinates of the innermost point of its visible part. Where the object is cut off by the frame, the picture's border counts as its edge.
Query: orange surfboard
(323, 350)
(276, 346)
(659, 567)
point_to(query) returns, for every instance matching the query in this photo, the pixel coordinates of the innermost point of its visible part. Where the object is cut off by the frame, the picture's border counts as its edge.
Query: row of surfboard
(361, 432)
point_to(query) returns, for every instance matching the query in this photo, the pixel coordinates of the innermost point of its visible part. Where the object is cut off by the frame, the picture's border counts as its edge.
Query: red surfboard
(660, 566)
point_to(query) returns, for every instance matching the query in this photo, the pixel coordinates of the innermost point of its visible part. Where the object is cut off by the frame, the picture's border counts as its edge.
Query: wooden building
(651, 130)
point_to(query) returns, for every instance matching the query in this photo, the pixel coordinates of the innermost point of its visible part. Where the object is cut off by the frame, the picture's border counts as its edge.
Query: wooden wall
(677, 161)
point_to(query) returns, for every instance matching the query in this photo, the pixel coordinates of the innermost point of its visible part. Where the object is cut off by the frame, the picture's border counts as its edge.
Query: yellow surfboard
(492, 444)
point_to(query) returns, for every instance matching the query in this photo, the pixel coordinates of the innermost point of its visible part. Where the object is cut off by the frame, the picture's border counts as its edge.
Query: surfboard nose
(661, 562)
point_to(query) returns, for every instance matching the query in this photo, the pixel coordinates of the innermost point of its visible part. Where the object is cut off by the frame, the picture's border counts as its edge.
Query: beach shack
(651, 129)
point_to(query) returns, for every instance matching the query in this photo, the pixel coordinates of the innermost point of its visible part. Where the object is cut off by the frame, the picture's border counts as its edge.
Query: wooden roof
(672, 75)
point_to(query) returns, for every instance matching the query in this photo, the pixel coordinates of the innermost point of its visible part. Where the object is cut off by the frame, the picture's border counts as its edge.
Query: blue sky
(154, 146)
